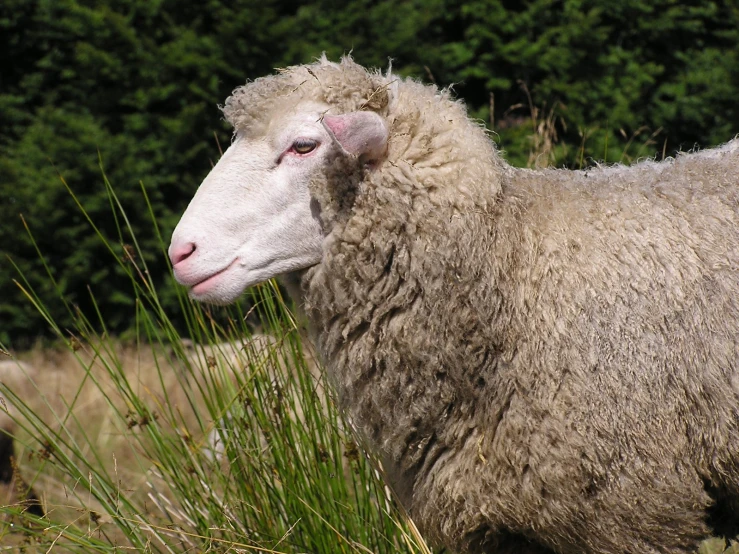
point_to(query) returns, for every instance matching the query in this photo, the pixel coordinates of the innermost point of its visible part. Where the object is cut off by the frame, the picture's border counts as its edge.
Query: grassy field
(172, 447)
(222, 442)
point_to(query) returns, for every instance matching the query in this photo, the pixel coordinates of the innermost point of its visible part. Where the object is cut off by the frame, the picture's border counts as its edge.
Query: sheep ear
(361, 134)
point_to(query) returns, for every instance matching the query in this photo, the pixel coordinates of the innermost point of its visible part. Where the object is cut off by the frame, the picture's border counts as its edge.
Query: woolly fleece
(542, 360)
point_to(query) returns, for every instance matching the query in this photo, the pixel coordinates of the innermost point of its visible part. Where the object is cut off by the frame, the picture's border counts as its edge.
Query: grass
(229, 444)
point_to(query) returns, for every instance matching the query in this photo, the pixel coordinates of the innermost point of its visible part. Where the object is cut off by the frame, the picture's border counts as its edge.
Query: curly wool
(335, 84)
(542, 360)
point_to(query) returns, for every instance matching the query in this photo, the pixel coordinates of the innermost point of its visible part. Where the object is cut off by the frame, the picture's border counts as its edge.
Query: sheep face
(254, 217)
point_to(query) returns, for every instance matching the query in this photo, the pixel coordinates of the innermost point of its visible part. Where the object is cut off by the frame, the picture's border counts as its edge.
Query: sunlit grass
(230, 443)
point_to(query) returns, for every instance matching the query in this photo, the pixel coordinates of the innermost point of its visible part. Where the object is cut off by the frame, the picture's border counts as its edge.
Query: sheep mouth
(204, 285)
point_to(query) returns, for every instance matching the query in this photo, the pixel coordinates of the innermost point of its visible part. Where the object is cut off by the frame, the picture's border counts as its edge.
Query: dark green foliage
(617, 66)
(136, 83)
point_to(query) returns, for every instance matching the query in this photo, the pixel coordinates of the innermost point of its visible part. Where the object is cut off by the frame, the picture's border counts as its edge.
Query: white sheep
(543, 361)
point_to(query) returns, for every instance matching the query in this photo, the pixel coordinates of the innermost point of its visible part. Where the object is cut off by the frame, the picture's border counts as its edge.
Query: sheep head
(266, 206)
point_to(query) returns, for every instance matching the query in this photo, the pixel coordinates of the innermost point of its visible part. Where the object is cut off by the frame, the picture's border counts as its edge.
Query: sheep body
(581, 346)
(543, 360)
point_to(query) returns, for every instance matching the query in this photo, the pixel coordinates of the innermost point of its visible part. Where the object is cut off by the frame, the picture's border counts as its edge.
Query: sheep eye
(303, 146)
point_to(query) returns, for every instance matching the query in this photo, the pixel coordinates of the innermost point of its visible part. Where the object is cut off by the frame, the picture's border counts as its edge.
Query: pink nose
(180, 252)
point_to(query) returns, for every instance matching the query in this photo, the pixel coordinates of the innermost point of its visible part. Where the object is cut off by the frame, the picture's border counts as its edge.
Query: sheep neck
(379, 306)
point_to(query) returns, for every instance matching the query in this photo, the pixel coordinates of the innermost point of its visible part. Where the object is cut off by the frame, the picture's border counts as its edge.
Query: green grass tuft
(228, 443)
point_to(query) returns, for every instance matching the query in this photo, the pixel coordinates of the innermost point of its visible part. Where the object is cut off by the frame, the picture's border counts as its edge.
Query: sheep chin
(227, 285)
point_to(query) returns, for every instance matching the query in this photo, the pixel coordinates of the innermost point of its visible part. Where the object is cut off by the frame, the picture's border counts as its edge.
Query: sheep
(17, 377)
(541, 360)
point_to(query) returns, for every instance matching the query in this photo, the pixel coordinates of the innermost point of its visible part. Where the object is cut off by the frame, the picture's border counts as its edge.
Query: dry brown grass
(77, 392)
(76, 395)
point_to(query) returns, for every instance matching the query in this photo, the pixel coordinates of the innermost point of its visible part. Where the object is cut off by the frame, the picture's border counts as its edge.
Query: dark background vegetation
(136, 83)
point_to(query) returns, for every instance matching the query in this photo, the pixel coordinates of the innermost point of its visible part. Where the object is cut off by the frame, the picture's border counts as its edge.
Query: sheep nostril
(180, 252)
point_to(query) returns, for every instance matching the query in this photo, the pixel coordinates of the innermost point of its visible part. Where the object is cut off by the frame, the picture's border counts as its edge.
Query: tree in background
(615, 66)
(136, 83)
